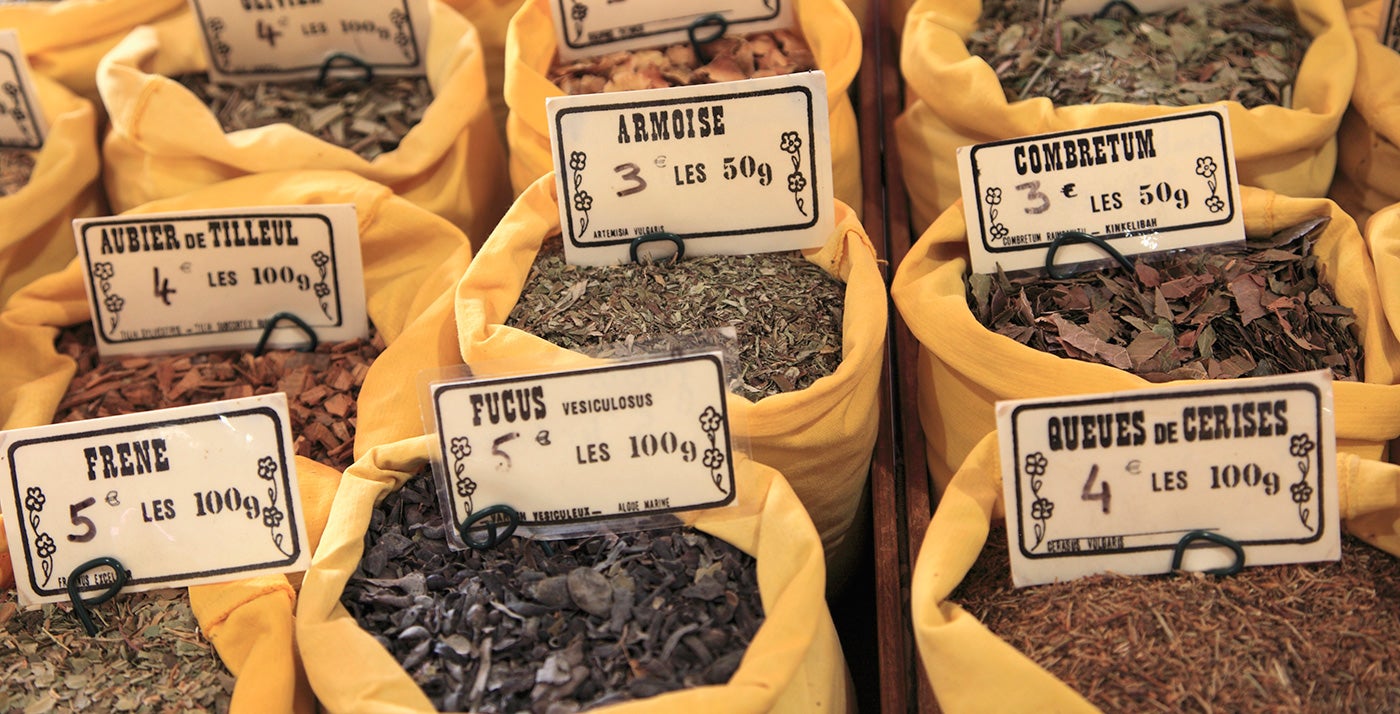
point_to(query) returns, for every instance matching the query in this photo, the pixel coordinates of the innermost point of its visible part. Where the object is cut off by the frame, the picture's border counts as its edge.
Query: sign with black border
(182, 496)
(1113, 482)
(22, 124)
(622, 440)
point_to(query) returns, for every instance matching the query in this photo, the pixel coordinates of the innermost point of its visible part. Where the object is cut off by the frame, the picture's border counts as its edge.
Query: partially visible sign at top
(586, 28)
(1390, 29)
(257, 40)
(22, 123)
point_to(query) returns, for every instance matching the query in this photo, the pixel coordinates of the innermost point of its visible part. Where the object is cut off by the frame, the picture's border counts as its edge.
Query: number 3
(1032, 189)
(631, 172)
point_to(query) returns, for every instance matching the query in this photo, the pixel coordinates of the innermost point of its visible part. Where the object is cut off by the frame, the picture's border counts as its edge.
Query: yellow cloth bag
(490, 18)
(820, 438)
(955, 100)
(65, 40)
(964, 368)
(828, 25)
(36, 222)
(794, 663)
(1368, 161)
(970, 668)
(249, 621)
(165, 142)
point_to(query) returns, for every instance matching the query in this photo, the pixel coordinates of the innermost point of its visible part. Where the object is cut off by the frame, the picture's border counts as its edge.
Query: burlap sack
(165, 142)
(828, 25)
(954, 99)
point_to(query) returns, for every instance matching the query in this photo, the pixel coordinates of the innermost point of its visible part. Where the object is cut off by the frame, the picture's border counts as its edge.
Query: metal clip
(80, 606)
(1179, 552)
(493, 538)
(657, 237)
(1075, 237)
(350, 61)
(713, 19)
(1111, 5)
(271, 325)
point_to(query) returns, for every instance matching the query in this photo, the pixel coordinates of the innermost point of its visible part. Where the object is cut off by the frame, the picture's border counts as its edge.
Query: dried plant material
(1246, 52)
(148, 656)
(550, 628)
(763, 54)
(321, 386)
(786, 310)
(368, 118)
(1248, 309)
(1283, 638)
(16, 166)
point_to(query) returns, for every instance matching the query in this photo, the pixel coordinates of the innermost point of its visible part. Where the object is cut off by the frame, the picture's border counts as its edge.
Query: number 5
(84, 521)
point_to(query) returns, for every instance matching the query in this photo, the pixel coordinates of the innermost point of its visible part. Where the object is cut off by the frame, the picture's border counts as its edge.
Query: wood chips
(763, 54)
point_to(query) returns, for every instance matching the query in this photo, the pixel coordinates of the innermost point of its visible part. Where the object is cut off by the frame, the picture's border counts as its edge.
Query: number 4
(1088, 493)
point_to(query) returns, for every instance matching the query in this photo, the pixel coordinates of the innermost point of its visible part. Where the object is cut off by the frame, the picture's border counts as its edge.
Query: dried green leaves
(1251, 309)
(368, 118)
(786, 310)
(1243, 51)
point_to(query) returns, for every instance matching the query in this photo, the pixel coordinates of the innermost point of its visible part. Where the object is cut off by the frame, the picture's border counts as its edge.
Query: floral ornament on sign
(322, 289)
(710, 423)
(1206, 168)
(583, 203)
(993, 199)
(461, 448)
(44, 545)
(1042, 509)
(104, 272)
(1301, 446)
(221, 48)
(791, 143)
(578, 12)
(16, 112)
(399, 18)
(272, 515)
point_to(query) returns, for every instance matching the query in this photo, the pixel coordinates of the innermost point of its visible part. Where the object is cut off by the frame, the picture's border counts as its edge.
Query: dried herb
(1247, 52)
(16, 166)
(148, 656)
(1287, 638)
(557, 628)
(786, 310)
(321, 386)
(1253, 309)
(368, 118)
(763, 54)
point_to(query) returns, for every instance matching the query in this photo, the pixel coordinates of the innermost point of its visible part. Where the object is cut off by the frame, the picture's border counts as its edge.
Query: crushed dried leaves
(763, 54)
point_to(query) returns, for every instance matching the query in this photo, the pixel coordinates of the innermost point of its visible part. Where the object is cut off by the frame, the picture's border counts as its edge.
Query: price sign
(1389, 30)
(730, 168)
(1113, 482)
(259, 40)
(586, 28)
(200, 280)
(181, 496)
(618, 441)
(22, 124)
(1144, 186)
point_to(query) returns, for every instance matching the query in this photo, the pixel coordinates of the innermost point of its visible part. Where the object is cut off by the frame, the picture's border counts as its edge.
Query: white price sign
(182, 496)
(1143, 186)
(22, 124)
(617, 441)
(199, 280)
(1113, 482)
(730, 168)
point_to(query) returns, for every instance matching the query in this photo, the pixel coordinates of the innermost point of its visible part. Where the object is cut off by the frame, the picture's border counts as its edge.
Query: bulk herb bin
(43, 190)
(1309, 637)
(1283, 118)
(52, 373)
(1367, 159)
(825, 26)
(65, 40)
(434, 145)
(964, 367)
(792, 664)
(820, 436)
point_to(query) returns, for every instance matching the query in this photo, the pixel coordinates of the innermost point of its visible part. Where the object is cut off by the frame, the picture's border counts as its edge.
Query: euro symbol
(1068, 190)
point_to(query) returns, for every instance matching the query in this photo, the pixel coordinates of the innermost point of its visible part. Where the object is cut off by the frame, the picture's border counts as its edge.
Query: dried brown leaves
(366, 118)
(16, 166)
(1251, 309)
(1247, 52)
(763, 54)
(786, 310)
(1286, 638)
